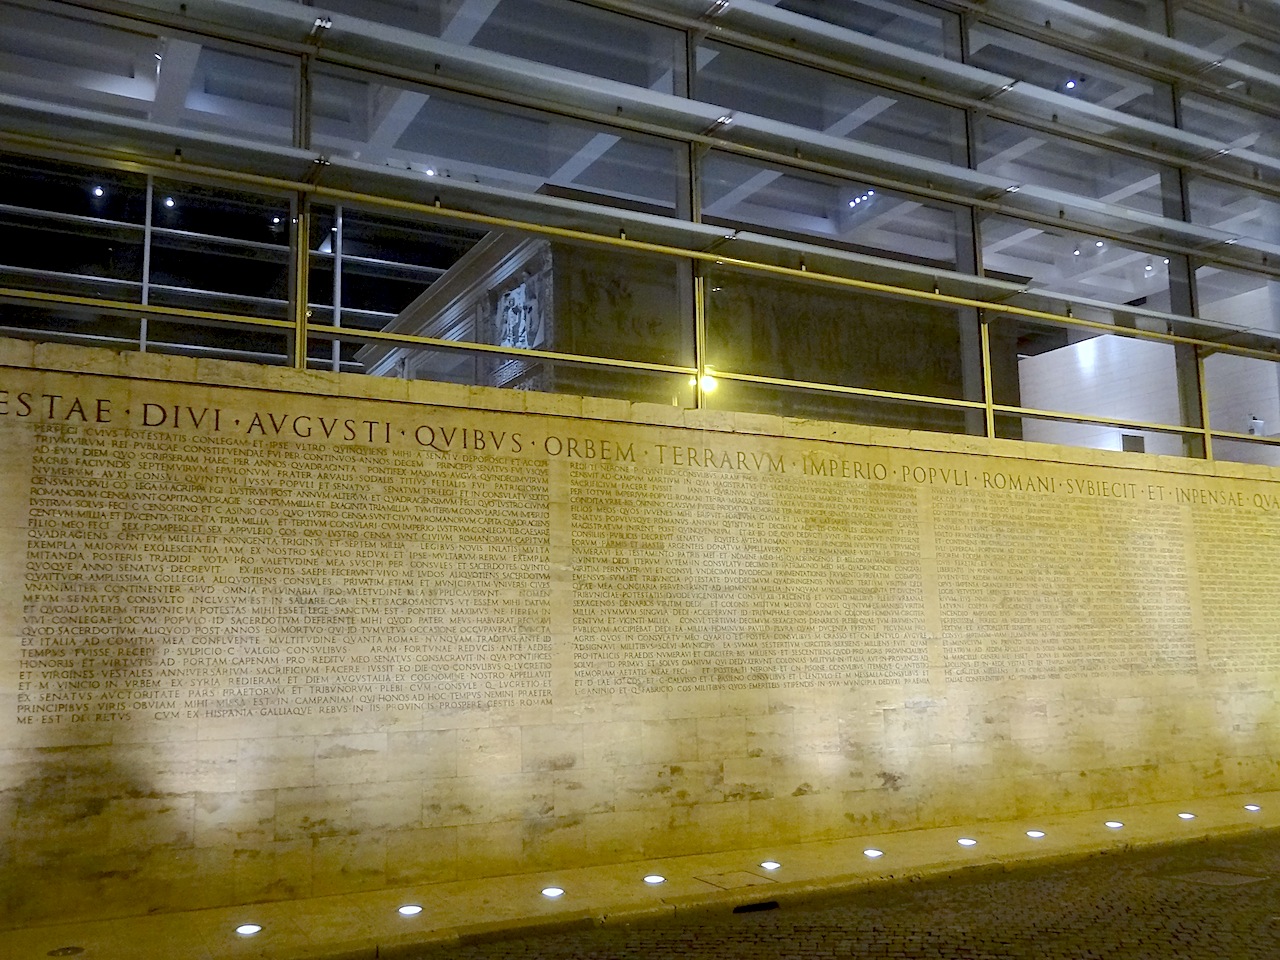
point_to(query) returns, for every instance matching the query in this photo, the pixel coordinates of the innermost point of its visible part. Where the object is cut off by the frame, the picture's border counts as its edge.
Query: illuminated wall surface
(265, 638)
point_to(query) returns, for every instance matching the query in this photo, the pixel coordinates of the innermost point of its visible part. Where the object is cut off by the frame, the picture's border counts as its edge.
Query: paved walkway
(1197, 900)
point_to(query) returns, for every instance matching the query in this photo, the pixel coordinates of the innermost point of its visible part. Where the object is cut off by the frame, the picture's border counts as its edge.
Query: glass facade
(1005, 223)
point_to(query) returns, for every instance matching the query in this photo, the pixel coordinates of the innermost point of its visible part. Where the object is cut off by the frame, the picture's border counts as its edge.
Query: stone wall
(267, 634)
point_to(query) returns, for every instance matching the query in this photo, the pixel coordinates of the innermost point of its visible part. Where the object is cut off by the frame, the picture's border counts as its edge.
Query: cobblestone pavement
(1208, 899)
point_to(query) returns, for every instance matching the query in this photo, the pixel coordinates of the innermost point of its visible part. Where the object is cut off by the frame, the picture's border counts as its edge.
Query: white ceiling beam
(175, 71)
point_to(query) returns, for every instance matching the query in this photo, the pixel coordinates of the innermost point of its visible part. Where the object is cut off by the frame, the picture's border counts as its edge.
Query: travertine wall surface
(263, 638)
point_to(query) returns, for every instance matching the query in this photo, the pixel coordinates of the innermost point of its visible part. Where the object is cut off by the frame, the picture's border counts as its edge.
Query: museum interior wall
(271, 634)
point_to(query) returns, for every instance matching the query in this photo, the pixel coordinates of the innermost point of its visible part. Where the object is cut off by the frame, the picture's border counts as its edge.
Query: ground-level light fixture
(409, 909)
(249, 929)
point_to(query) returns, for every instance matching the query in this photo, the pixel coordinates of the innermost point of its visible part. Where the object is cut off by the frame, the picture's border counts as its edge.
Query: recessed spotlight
(409, 910)
(158, 56)
(1070, 84)
(275, 220)
(430, 171)
(654, 879)
(553, 892)
(873, 853)
(770, 864)
(967, 842)
(871, 193)
(1186, 816)
(1149, 267)
(1166, 261)
(1113, 824)
(168, 201)
(1013, 188)
(1075, 252)
(98, 191)
(1035, 834)
(1252, 807)
(1099, 244)
(249, 929)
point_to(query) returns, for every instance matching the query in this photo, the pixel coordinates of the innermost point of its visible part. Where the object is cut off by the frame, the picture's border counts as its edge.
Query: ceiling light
(1070, 84)
(1252, 807)
(967, 842)
(1186, 816)
(275, 219)
(98, 191)
(1035, 834)
(771, 864)
(409, 910)
(1075, 252)
(158, 56)
(553, 892)
(1149, 268)
(707, 382)
(249, 929)
(654, 879)
(871, 193)
(873, 853)
(1098, 243)
(1166, 261)
(1113, 824)
(430, 171)
(168, 202)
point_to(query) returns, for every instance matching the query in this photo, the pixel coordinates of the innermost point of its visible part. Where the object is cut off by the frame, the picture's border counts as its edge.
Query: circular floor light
(249, 929)
(967, 842)
(409, 910)
(1113, 824)
(1035, 834)
(873, 853)
(1252, 807)
(771, 864)
(1186, 816)
(654, 879)
(553, 892)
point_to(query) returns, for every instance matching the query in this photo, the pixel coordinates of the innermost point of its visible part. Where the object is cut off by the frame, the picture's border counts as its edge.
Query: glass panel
(822, 334)
(65, 323)
(512, 372)
(220, 342)
(819, 405)
(71, 229)
(1149, 14)
(1225, 206)
(904, 22)
(1242, 299)
(220, 250)
(1076, 265)
(765, 86)
(1092, 81)
(1031, 157)
(555, 32)
(1244, 451)
(177, 80)
(443, 134)
(1243, 394)
(377, 265)
(1228, 42)
(1073, 370)
(844, 213)
(1228, 123)
(1097, 436)
(435, 279)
